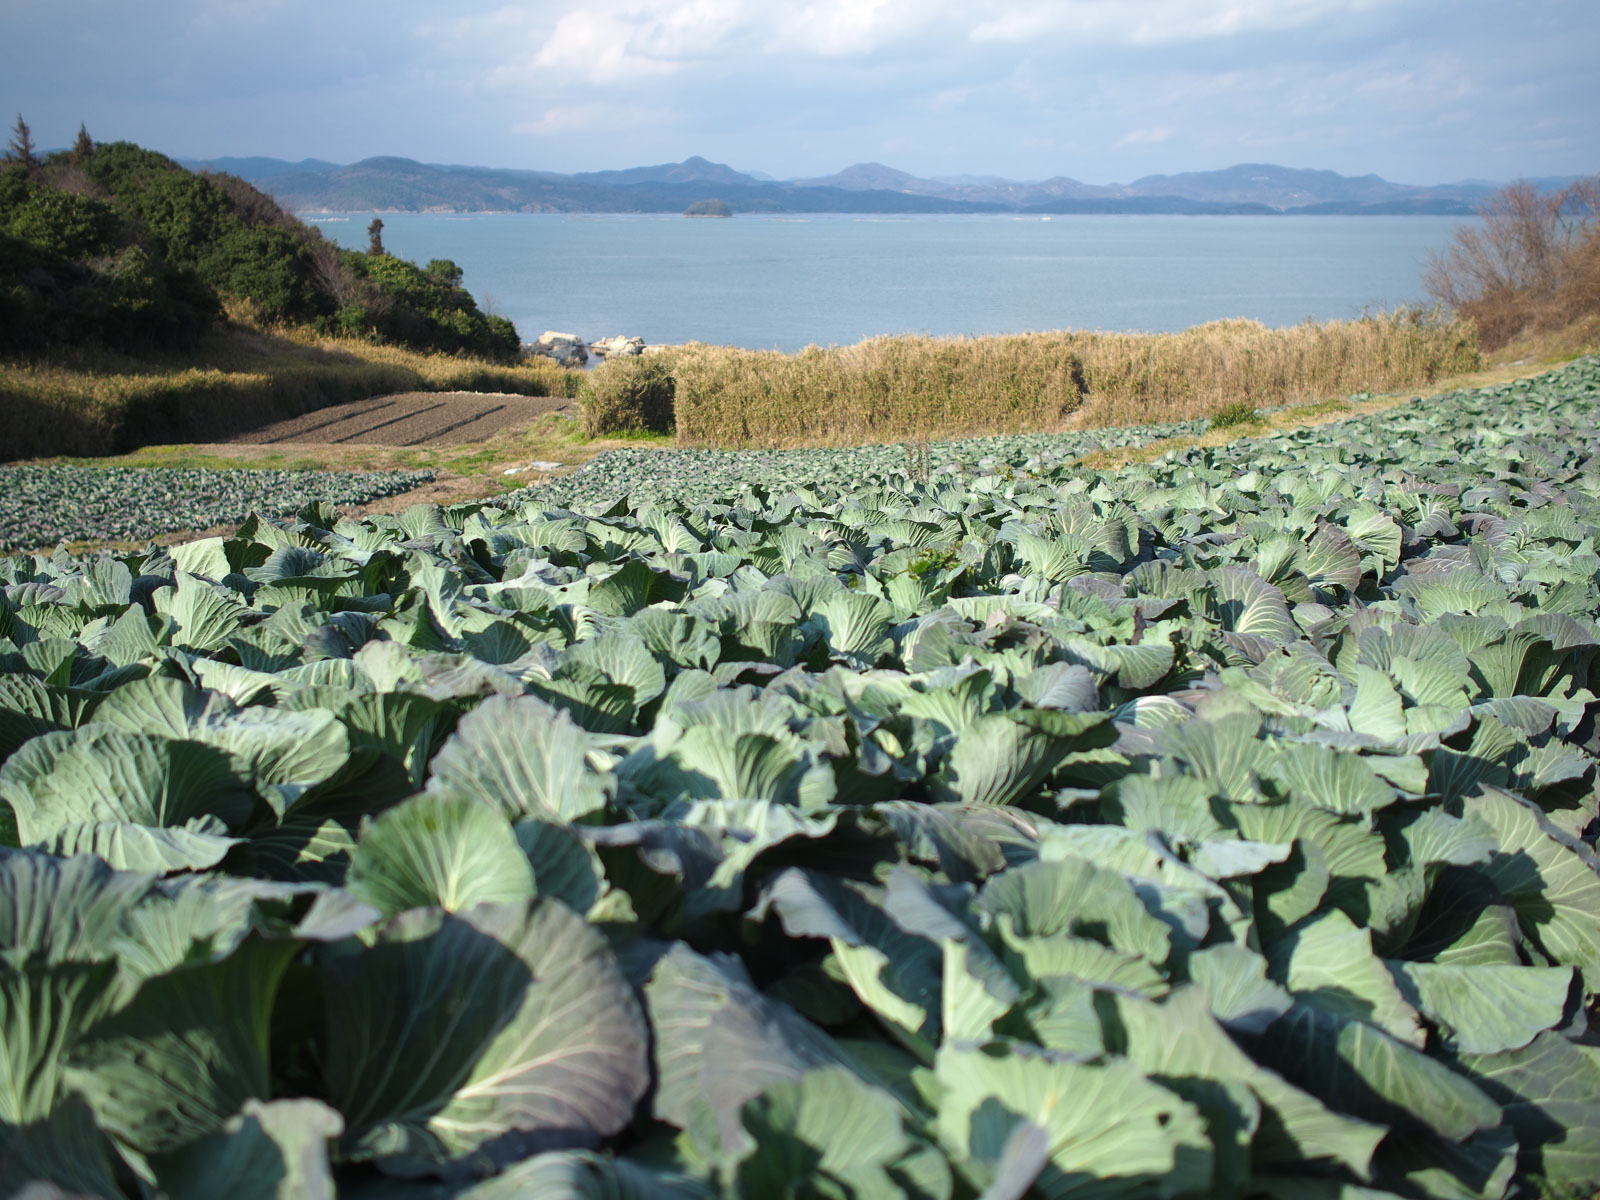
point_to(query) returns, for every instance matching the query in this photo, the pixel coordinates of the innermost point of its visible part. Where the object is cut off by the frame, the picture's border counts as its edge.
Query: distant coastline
(316, 215)
(399, 185)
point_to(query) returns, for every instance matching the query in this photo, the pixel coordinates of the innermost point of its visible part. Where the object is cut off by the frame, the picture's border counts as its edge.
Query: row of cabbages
(46, 504)
(644, 476)
(1222, 826)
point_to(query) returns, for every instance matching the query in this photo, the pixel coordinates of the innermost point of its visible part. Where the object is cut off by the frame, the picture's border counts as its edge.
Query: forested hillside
(121, 247)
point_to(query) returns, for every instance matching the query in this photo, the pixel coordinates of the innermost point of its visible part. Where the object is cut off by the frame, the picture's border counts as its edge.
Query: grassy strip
(898, 388)
(97, 403)
(550, 437)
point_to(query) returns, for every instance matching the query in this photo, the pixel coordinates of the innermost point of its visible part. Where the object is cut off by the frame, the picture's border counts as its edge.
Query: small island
(708, 208)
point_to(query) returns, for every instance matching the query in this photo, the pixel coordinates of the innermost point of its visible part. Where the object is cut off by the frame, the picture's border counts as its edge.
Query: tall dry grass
(99, 403)
(882, 389)
(895, 388)
(1137, 378)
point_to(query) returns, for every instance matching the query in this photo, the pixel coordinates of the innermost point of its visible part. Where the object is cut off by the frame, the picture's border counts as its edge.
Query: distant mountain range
(403, 185)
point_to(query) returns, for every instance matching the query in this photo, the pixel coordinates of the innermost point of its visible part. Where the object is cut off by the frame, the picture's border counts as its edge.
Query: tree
(20, 148)
(445, 271)
(83, 147)
(1520, 241)
(375, 237)
(1526, 264)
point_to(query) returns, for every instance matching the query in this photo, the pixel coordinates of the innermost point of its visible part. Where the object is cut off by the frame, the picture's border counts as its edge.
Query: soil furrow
(415, 419)
(339, 418)
(464, 422)
(350, 437)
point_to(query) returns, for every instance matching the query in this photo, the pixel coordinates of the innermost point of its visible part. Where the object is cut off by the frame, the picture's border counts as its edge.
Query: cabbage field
(42, 504)
(977, 825)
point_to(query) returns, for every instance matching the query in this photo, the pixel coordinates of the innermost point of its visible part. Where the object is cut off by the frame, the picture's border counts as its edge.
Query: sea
(788, 281)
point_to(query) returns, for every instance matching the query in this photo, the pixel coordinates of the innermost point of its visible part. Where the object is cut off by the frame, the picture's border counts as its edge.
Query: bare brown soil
(409, 419)
(448, 488)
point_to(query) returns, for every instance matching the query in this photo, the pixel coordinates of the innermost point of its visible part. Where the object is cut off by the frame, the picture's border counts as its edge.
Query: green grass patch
(1232, 416)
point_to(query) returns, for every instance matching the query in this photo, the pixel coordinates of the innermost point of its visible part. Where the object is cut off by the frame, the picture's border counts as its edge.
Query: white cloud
(1154, 22)
(1440, 79)
(842, 28)
(597, 117)
(598, 47)
(1152, 136)
(631, 45)
(611, 43)
(623, 43)
(950, 99)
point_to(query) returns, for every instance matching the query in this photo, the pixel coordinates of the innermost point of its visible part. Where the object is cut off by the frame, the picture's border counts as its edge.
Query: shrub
(58, 222)
(625, 395)
(502, 335)
(427, 308)
(269, 267)
(182, 214)
(1229, 416)
(257, 208)
(149, 303)
(122, 167)
(127, 300)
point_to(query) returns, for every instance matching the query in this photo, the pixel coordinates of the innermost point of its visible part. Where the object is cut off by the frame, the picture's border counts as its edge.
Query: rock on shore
(568, 349)
(617, 347)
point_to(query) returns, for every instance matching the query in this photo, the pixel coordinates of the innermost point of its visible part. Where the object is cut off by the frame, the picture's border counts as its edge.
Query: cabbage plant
(1220, 825)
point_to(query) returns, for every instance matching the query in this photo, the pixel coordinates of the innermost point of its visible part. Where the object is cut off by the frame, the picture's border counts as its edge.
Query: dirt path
(409, 419)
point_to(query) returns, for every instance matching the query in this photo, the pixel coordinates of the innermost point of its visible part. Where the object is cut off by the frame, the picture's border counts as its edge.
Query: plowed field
(409, 419)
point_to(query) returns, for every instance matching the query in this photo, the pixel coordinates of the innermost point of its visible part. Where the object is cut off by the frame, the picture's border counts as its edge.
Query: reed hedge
(623, 395)
(882, 389)
(899, 388)
(1133, 378)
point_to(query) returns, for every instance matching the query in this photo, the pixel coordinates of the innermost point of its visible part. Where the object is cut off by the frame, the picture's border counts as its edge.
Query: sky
(1418, 91)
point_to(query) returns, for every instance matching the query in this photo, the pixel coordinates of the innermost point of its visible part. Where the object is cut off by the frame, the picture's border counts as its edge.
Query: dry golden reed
(96, 404)
(893, 388)
(882, 389)
(1136, 378)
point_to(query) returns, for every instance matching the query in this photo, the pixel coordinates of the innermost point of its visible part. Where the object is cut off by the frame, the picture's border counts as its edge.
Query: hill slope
(123, 247)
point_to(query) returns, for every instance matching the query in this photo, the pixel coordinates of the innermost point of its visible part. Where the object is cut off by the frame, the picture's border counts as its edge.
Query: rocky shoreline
(570, 350)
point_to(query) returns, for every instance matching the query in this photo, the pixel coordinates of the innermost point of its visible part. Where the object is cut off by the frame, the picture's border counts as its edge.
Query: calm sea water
(787, 281)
